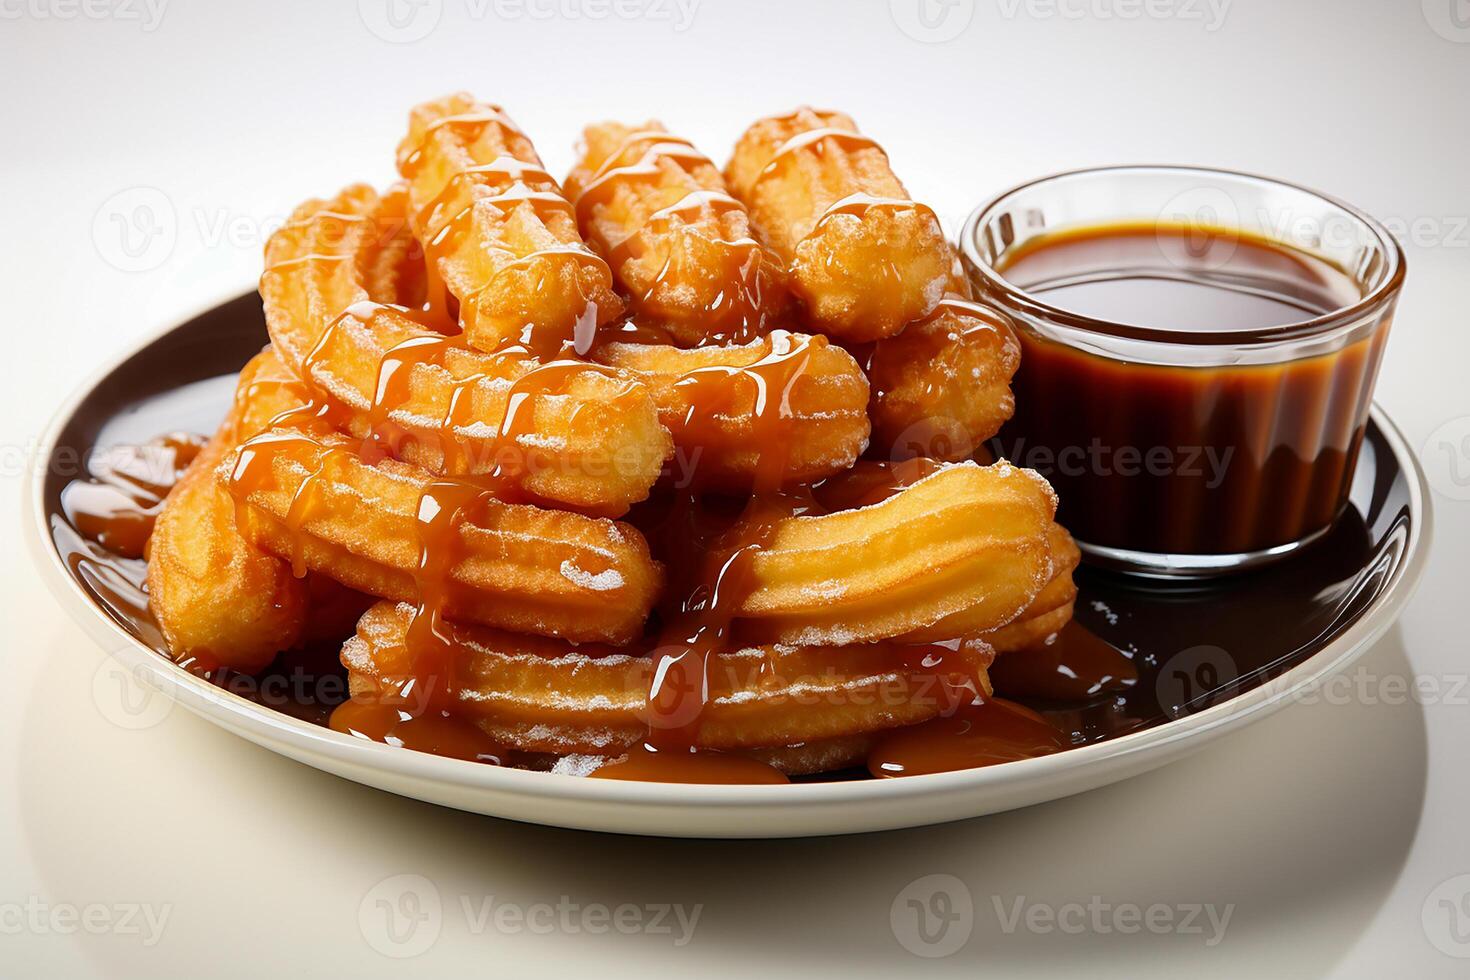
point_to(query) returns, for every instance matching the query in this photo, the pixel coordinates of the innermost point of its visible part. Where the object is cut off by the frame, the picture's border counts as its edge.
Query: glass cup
(1194, 435)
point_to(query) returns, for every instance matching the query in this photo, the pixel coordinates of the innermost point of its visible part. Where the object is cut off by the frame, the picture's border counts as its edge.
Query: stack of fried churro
(662, 471)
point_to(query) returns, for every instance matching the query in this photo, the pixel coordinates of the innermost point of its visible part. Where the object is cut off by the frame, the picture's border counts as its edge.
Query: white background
(1326, 827)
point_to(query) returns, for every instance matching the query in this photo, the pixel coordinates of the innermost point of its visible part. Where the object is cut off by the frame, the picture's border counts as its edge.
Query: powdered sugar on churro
(600, 582)
(578, 765)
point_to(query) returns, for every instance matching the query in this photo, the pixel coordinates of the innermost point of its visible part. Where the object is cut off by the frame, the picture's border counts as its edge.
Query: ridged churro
(1052, 607)
(542, 695)
(967, 541)
(679, 245)
(216, 596)
(312, 499)
(498, 233)
(730, 407)
(942, 386)
(863, 257)
(580, 435)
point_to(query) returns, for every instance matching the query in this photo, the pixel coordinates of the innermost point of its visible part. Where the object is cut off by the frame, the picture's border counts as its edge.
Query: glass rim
(1326, 323)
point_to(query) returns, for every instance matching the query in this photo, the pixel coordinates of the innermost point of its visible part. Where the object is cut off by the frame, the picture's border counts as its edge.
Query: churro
(312, 499)
(942, 386)
(862, 256)
(497, 232)
(729, 407)
(216, 596)
(573, 434)
(679, 245)
(542, 695)
(967, 541)
(1052, 607)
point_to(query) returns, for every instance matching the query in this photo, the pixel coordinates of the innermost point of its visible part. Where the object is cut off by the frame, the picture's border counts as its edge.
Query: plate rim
(271, 728)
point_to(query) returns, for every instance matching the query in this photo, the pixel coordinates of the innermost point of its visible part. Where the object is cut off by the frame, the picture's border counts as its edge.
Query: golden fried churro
(784, 394)
(1058, 588)
(1052, 607)
(575, 434)
(679, 245)
(942, 386)
(863, 257)
(311, 498)
(219, 599)
(542, 695)
(498, 233)
(966, 541)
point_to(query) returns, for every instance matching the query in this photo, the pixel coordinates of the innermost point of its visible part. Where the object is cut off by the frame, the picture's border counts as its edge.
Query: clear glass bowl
(1189, 452)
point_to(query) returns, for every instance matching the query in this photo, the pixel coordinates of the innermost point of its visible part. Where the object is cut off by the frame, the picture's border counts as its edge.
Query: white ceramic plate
(224, 336)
